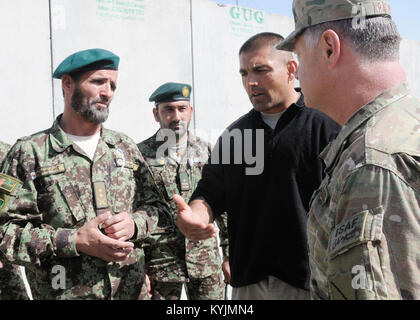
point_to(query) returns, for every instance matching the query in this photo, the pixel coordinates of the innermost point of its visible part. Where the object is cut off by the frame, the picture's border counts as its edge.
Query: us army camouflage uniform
(11, 282)
(171, 258)
(364, 222)
(57, 198)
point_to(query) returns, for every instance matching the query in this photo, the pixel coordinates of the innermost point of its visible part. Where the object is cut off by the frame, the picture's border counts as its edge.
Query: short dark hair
(261, 40)
(76, 75)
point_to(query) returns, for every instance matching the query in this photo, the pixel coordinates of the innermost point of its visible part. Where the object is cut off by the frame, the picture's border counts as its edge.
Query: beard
(88, 111)
(181, 131)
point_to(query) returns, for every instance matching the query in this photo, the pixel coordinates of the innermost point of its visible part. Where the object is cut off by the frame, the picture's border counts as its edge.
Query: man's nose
(177, 115)
(106, 91)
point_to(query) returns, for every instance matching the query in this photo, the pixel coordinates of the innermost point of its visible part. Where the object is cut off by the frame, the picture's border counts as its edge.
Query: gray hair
(376, 39)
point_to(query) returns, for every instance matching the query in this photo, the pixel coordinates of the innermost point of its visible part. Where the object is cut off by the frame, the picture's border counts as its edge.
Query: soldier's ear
(67, 83)
(331, 48)
(156, 114)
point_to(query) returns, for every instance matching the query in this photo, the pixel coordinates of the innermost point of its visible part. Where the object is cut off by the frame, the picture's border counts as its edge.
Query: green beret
(171, 91)
(86, 60)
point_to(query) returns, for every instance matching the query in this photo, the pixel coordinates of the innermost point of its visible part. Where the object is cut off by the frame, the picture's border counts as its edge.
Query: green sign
(246, 21)
(121, 9)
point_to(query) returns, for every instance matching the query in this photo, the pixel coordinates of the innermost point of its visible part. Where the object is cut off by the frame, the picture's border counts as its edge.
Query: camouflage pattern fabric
(12, 286)
(57, 198)
(171, 257)
(196, 289)
(4, 148)
(363, 227)
(166, 290)
(309, 13)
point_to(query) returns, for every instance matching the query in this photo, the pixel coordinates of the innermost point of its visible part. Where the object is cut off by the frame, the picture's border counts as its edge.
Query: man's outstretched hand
(194, 221)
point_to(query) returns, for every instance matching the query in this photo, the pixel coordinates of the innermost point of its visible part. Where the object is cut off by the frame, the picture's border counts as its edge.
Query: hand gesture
(194, 224)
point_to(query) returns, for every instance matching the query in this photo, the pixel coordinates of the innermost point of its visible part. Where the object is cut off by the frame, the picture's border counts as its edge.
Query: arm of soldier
(221, 222)
(26, 240)
(377, 220)
(147, 204)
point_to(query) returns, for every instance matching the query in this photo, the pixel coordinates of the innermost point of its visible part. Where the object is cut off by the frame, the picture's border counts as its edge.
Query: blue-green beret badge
(171, 91)
(86, 60)
(185, 92)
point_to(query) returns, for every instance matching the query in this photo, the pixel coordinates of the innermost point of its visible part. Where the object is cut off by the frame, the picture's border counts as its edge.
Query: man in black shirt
(267, 200)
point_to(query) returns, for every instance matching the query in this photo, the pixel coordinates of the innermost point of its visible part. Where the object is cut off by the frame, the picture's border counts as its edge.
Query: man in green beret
(12, 286)
(176, 158)
(364, 222)
(76, 223)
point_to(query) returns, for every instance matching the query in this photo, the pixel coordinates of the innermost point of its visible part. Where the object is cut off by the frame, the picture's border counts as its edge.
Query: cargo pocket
(354, 259)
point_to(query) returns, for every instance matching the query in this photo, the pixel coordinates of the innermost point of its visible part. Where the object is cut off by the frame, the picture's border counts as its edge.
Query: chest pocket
(58, 196)
(121, 185)
(164, 177)
(164, 180)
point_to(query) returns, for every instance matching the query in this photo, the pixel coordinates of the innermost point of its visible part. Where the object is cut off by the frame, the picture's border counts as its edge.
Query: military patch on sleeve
(8, 183)
(347, 233)
(8, 186)
(359, 228)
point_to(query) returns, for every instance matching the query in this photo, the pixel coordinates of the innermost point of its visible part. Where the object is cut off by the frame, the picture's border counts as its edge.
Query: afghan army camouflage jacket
(171, 257)
(4, 148)
(11, 282)
(364, 221)
(57, 198)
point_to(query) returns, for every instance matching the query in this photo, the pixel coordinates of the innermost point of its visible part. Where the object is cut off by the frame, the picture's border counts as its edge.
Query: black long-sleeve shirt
(267, 212)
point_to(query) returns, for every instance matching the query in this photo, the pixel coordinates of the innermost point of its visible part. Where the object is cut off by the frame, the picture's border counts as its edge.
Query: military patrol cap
(313, 12)
(86, 60)
(171, 91)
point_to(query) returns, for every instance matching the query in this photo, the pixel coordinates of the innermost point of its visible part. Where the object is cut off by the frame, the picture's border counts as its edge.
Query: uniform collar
(60, 141)
(330, 153)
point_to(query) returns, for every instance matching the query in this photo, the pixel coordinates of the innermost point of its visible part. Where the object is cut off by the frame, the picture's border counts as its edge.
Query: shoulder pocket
(56, 193)
(355, 266)
(359, 228)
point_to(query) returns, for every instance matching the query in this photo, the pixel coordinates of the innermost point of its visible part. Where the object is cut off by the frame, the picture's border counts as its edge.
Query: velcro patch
(156, 162)
(99, 190)
(347, 233)
(45, 171)
(121, 162)
(8, 183)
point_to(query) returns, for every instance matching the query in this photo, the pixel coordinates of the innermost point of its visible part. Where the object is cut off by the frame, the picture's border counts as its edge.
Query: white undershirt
(271, 119)
(87, 143)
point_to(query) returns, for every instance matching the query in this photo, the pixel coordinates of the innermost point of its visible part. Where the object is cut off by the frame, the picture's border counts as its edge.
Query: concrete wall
(195, 41)
(25, 94)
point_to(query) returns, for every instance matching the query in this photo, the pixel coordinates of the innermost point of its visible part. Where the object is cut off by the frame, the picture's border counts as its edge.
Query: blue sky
(404, 12)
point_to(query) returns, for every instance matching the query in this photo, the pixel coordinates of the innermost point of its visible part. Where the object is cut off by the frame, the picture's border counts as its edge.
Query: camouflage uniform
(12, 286)
(363, 227)
(171, 258)
(57, 198)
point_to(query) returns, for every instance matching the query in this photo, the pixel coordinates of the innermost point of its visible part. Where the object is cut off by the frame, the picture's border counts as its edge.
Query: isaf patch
(347, 233)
